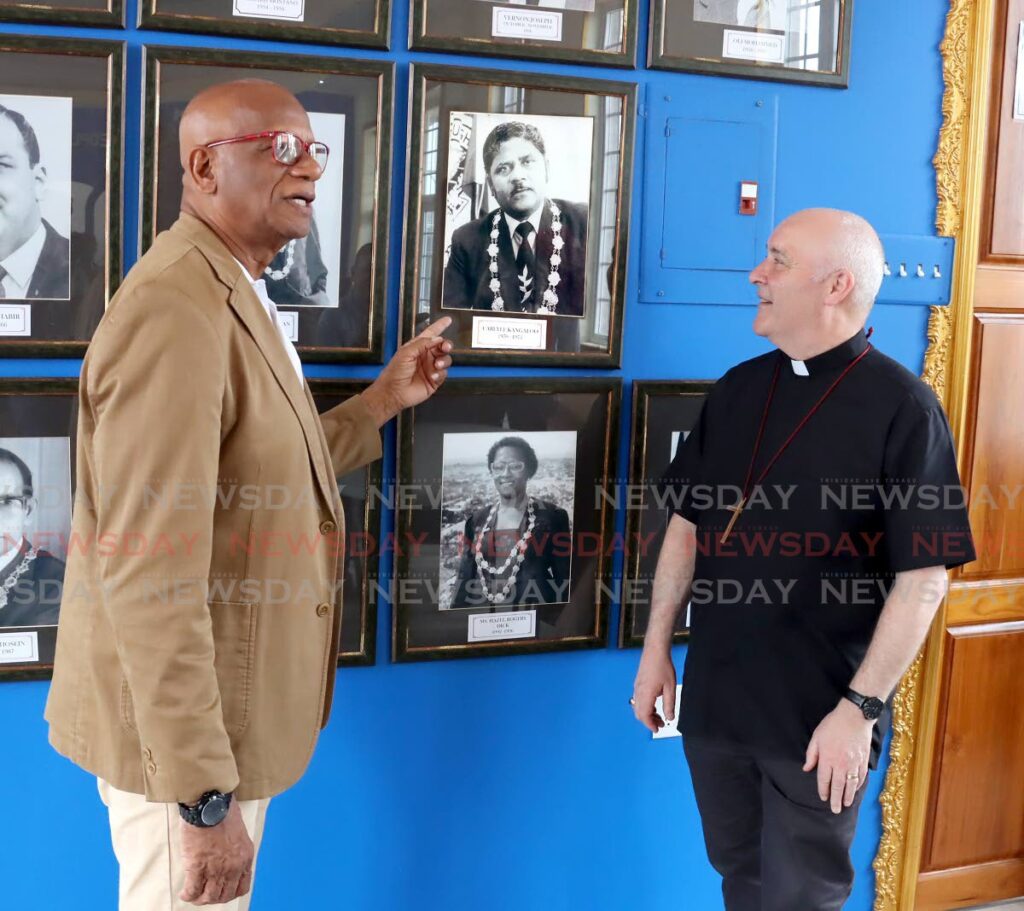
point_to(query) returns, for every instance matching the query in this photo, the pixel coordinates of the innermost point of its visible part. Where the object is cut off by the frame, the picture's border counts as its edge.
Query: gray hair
(859, 250)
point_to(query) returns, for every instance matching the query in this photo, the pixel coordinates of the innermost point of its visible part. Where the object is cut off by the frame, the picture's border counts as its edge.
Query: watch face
(872, 708)
(214, 811)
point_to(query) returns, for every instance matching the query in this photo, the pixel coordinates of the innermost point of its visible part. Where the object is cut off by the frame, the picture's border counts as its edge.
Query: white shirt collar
(259, 286)
(513, 223)
(20, 265)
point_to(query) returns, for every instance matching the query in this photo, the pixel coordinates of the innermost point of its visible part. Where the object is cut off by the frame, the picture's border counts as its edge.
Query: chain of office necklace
(19, 571)
(550, 302)
(515, 557)
(747, 486)
(278, 274)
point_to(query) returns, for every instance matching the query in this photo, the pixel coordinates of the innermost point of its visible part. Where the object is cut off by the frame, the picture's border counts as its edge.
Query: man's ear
(201, 170)
(39, 181)
(840, 285)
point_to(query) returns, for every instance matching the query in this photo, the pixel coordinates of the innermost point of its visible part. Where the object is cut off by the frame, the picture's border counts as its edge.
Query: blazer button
(328, 528)
(151, 768)
(322, 610)
(148, 753)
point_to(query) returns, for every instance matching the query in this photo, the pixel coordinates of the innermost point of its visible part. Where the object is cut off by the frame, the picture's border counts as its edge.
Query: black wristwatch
(208, 811)
(870, 706)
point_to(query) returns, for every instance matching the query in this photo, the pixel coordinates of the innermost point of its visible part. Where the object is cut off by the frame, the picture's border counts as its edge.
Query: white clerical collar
(22, 262)
(799, 368)
(513, 223)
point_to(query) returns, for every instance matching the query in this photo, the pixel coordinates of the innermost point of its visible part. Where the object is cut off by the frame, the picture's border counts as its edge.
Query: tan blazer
(201, 614)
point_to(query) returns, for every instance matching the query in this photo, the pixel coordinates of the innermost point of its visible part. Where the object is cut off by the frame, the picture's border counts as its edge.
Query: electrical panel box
(709, 195)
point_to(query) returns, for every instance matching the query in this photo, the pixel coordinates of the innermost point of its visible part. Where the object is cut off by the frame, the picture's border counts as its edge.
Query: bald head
(844, 240)
(233, 109)
(254, 202)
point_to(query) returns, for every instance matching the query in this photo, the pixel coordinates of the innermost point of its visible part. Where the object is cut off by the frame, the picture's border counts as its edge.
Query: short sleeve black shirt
(782, 613)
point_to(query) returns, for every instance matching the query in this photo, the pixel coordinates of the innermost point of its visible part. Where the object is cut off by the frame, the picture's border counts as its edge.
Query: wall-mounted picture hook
(903, 270)
(936, 272)
(920, 270)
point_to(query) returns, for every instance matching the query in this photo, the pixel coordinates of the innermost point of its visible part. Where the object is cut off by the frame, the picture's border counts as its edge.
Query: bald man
(199, 631)
(811, 538)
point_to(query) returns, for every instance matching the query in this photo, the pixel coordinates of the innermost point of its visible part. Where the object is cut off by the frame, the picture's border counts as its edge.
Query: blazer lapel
(249, 310)
(507, 268)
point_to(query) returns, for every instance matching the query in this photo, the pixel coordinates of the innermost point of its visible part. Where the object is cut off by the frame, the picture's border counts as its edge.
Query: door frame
(960, 179)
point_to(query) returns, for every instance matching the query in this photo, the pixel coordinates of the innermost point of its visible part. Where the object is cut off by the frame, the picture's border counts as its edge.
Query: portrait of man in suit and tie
(34, 253)
(516, 238)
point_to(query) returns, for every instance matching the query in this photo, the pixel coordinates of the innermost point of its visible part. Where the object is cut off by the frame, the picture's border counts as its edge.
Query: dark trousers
(777, 845)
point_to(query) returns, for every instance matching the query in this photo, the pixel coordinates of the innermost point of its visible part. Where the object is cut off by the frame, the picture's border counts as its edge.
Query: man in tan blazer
(200, 624)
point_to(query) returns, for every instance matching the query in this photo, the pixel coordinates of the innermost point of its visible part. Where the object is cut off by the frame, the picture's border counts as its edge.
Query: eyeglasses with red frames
(287, 148)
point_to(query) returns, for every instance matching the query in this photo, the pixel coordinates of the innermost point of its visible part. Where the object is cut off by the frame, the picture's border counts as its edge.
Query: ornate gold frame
(959, 172)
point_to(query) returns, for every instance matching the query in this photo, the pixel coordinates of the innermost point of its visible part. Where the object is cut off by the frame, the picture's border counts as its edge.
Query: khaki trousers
(147, 844)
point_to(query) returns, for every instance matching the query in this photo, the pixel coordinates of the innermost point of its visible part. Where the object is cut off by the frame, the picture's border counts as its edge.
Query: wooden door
(973, 846)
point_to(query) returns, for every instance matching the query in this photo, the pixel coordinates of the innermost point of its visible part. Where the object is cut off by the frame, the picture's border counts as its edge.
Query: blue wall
(513, 784)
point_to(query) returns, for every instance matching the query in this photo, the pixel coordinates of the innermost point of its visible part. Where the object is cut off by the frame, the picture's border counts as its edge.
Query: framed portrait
(106, 13)
(60, 221)
(504, 523)
(38, 421)
(361, 501)
(517, 214)
(579, 31)
(355, 23)
(780, 40)
(328, 286)
(664, 414)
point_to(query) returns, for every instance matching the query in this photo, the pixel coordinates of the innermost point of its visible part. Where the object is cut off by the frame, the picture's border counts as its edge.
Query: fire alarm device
(748, 197)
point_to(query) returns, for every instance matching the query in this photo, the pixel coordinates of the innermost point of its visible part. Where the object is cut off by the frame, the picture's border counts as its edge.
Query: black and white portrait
(585, 6)
(35, 523)
(517, 208)
(35, 197)
(760, 14)
(307, 271)
(678, 436)
(506, 518)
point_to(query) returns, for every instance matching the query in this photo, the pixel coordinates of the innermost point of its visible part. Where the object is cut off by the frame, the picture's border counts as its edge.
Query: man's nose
(757, 274)
(307, 167)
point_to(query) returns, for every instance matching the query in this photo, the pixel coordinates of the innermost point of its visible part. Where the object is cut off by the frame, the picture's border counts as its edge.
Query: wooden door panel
(996, 478)
(1006, 157)
(978, 798)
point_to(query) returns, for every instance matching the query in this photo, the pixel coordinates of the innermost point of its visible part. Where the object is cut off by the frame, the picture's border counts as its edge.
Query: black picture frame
(558, 416)
(361, 94)
(34, 409)
(682, 39)
(604, 36)
(660, 409)
(100, 13)
(343, 23)
(85, 80)
(361, 501)
(438, 92)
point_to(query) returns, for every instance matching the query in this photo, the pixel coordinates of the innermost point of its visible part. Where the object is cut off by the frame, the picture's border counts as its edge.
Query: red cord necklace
(747, 486)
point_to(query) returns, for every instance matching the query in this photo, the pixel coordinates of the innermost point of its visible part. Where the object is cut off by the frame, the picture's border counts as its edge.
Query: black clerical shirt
(782, 613)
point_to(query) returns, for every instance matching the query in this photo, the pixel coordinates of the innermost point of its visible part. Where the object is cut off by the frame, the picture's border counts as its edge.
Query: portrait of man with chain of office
(518, 206)
(38, 419)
